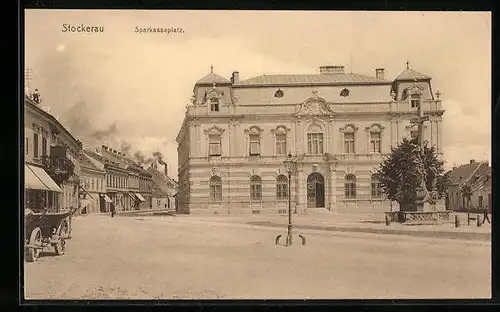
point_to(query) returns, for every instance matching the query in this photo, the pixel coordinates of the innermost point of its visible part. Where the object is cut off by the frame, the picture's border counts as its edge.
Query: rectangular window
(215, 145)
(35, 145)
(254, 144)
(415, 100)
(214, 105)
(349, 143)
(92, 184)
(480, 201)
(281, 144)
(375, 145)
(26, 144)
(44, 146)
(315, 143)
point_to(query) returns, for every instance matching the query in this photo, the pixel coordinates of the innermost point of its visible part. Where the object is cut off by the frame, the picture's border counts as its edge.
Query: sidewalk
(364, 223)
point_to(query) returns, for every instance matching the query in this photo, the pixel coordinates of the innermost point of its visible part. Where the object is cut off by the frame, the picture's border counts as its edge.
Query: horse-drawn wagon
(43, 229)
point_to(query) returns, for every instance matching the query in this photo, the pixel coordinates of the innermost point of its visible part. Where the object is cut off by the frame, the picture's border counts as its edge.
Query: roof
(316, 79)
(465, 171)
(86, 162)
(32, 104)
(213, 78)
(410, 74)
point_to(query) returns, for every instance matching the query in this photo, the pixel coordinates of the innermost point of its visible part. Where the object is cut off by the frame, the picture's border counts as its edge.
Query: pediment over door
(315, 106)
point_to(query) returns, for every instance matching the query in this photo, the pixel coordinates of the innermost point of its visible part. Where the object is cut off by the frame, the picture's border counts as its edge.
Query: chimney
(236, 77)
(472, 161)
(331, 69)
(379, 73)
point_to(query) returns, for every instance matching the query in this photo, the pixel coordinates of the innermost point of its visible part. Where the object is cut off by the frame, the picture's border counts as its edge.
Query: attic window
(415, 100)
(214, 104)
(344, 92)
(279, 93)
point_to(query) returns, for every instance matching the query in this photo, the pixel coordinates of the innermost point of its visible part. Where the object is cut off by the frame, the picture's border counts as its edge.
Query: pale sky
(142, 82)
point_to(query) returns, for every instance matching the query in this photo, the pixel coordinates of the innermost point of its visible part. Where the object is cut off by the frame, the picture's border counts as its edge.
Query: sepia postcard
(174, 155)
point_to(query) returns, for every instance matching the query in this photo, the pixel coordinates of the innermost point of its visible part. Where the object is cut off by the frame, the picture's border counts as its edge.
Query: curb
(427, 234)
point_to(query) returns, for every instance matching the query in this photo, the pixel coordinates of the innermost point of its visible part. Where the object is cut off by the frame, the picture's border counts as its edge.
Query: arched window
(376, 187)
(255, 188)
(281, 187)
(350, 186)
(215, 188)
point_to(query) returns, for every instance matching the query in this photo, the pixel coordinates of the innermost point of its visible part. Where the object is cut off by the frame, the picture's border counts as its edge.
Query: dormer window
(415, 100)
(344, 93)
(214, 104)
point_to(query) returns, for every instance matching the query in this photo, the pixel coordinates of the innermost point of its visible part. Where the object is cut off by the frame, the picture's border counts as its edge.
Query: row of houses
(63, 174)
(476, 174)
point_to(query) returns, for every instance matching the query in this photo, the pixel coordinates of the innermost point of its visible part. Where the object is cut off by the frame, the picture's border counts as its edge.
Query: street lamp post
(289, 166)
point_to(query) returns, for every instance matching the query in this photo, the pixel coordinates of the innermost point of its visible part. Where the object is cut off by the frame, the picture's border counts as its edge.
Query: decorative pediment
(315, 106)
(413, 89)
(280, 130)
(214, 130)
(349, 170)
(254, 130)
(349, 128)
(375, 128)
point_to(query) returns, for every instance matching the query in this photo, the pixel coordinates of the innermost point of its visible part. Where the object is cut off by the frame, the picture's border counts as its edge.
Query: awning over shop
(35, 178)
(131, 195)
(107, 199)
(140, 197)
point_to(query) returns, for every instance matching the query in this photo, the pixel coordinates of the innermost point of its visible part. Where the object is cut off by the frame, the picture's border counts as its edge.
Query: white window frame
(315, 143)
(215, 188)
(376, 190)
(255, 188)
(215, 144)
(281, 187)
(350, 186)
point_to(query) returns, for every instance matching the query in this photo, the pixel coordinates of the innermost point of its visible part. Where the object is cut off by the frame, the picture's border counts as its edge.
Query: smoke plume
(142, 159)
(103, 134)
(126, 147)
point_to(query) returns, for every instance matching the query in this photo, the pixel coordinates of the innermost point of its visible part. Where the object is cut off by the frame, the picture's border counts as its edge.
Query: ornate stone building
(338, 125)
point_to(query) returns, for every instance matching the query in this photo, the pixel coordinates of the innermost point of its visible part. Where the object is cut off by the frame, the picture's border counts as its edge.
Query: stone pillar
(439, 135)
(332, 188)
(331, 133)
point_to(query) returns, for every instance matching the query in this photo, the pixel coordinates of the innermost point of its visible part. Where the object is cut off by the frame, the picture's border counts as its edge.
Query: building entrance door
(315, 190)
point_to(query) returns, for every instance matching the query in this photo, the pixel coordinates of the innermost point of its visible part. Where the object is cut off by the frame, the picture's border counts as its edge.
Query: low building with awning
(41, 191)
(49, 147)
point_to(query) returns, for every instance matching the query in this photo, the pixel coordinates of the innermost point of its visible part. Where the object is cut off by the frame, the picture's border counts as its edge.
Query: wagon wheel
(60, 247)
(33, 253)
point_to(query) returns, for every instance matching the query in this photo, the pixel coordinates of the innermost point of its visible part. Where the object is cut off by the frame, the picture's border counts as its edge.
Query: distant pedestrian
(112, 211)
(486, 215)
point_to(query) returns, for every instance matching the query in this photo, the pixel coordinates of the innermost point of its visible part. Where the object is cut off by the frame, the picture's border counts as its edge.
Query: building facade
(338, 126)
(46, 138)
(478, 176)
(93, 180)
(164, 188)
